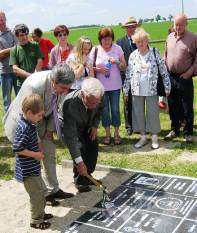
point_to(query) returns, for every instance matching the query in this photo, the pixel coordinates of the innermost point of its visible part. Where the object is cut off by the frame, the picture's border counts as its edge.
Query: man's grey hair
(62, 73)
(92, 87)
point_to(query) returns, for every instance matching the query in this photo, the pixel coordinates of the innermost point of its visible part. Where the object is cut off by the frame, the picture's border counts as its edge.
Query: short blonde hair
(139, 35)
(34, 103)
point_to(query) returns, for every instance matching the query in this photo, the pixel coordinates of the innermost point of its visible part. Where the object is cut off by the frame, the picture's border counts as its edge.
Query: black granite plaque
(145, 203)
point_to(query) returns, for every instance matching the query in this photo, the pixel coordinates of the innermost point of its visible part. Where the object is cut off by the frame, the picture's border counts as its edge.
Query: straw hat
(129, 22)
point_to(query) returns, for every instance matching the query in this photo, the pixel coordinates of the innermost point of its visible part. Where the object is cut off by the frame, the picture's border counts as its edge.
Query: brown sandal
(107, 140)
(117, 140)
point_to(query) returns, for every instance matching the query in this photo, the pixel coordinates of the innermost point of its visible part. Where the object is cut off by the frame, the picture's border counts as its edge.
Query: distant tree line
(87, 26)
(157, 18)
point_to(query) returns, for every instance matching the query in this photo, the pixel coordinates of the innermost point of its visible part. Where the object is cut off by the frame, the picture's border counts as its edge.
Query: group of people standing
(78, 86)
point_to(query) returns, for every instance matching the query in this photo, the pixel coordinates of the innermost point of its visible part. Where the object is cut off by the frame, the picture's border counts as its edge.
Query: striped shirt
(25, 138)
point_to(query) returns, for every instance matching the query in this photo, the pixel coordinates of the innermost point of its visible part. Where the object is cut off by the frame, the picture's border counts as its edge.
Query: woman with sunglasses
(80, 62)
(60, 52)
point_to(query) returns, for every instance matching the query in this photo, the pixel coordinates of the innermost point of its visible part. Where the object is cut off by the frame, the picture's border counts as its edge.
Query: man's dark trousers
(89, 153)
(181, 104)
(128, 112)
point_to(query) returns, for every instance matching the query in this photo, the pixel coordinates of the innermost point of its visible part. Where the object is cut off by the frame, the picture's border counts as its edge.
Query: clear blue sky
(48, 13)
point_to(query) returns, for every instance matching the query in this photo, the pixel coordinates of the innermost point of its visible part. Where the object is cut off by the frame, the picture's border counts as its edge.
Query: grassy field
(156, 30)
(123, 155)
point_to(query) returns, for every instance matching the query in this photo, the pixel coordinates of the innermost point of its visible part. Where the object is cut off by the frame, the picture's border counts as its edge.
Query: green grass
(120, 156)
(156, 31)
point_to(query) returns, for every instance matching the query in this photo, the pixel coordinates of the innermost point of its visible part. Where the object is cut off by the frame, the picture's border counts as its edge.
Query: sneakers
(188, 138)
(172, 134)
(155, 143)
(141, 142)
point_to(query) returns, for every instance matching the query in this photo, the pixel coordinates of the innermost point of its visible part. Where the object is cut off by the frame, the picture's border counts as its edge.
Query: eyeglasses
(61, 34)
(22, 34)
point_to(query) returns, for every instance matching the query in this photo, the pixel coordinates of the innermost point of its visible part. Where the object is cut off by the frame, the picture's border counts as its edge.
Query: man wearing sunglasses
(26, 57)
(8, 79)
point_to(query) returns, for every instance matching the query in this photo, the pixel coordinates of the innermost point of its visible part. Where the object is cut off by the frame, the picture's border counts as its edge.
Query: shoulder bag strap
(95, 56)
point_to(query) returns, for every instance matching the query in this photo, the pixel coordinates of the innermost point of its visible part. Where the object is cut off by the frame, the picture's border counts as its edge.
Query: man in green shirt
(26, 57)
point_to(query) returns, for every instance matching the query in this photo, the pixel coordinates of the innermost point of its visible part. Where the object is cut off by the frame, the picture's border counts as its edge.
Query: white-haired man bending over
(81, 115)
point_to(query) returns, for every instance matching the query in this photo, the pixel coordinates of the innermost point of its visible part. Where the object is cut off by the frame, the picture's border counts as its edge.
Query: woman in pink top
(109, 60)
(60, 52)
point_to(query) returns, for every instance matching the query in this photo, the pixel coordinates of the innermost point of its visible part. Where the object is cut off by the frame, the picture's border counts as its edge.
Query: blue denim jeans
(111, 102)
(8, 81)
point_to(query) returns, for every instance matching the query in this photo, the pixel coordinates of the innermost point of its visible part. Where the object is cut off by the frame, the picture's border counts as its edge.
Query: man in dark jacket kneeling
(81, 115)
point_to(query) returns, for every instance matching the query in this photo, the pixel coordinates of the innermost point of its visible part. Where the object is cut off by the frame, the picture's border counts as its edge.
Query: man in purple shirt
(181, 60)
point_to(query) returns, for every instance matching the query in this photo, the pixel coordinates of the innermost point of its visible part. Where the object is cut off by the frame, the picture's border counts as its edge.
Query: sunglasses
(61, 34)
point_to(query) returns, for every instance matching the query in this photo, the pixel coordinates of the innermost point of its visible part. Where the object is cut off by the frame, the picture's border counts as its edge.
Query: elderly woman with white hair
(81, 111)
(142, 77)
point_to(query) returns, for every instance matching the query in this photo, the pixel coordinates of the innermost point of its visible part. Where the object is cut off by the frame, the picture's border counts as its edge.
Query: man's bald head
(180, 24)
(180, 17)
(2, 15)
(2, 21)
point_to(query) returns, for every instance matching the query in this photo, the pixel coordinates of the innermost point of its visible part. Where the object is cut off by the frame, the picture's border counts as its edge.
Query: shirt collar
(25, 120)
(179, 37)
(128, 37)
(80, 97)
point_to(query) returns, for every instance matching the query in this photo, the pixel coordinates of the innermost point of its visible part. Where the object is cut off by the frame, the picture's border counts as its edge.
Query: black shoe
(47, 216)
(172, 134)
(81, 180)
(83, 188)
(51, 201)
(188, 138)
(62, 195)
(129, 131)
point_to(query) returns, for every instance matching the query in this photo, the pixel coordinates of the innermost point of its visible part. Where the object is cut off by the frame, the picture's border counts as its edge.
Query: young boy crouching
(28, 156)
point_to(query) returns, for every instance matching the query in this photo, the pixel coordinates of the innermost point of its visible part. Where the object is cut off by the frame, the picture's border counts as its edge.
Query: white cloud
(49, 13)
